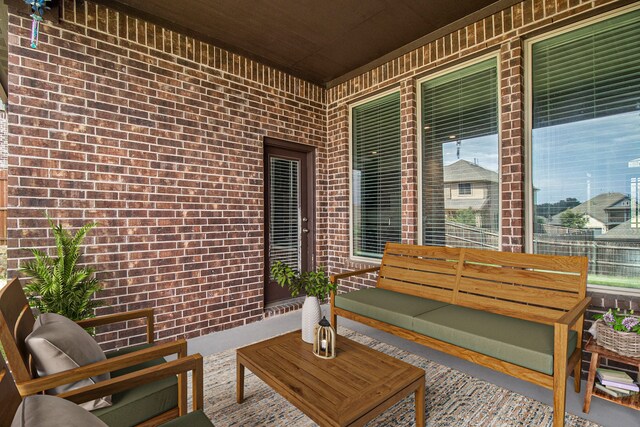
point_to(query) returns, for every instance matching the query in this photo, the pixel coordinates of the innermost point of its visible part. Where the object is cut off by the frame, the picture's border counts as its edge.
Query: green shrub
(58, 284)
(313, 283)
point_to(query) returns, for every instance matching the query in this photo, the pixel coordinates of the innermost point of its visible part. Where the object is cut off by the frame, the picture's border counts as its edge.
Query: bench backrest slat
(514, 292)
(427, 278)
(423, 291)
(556, 263)
(542, 279)
(529, 286)
(425, 271)
(508, 308)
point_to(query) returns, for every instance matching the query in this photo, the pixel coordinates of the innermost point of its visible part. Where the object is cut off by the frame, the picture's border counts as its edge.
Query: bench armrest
(37, 385)
(335, 277)
(191, 363)
(121, 317)
(572, 316)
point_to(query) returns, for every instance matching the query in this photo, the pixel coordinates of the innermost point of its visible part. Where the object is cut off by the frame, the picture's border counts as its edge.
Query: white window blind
(585, 144)
(284, 213)
(460, 153)
(376, 175)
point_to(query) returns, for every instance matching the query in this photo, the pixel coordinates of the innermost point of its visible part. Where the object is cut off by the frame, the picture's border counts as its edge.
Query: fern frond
(57, 283)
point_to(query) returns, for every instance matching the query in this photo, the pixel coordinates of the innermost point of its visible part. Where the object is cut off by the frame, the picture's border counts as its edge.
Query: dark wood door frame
(309, 176)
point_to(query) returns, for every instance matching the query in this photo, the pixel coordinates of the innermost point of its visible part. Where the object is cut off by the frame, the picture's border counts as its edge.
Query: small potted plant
(316, 286)
(618, 331)
(58, 284)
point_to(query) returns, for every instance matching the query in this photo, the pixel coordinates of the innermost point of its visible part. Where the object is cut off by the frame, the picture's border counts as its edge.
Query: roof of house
(464, 171)
(594, 207)
(621, 232)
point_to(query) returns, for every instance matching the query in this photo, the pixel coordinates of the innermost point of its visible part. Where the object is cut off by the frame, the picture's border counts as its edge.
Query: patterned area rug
(453, 398)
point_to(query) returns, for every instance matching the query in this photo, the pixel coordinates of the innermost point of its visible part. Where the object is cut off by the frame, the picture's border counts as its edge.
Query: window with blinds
(459, 157)
(284, 213)
(376, 176)
(585, 147)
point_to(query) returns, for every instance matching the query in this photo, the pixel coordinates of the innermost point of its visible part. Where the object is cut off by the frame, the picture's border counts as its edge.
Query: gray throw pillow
(58, 344)
(50, 411)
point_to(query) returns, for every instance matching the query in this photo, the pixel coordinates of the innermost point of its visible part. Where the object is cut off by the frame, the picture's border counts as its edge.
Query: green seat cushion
(192, 419)
(386, 306)
(516, 341)
(133, 406)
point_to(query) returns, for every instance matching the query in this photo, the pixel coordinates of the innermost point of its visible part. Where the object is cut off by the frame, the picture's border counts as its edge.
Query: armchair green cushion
(133, 406)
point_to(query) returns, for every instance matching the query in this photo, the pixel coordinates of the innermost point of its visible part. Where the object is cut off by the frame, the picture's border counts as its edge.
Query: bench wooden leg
(561, 333)
(577, 373)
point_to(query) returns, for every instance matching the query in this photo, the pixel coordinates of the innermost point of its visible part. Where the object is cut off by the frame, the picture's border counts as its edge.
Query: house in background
(603, 212)
(470, 186)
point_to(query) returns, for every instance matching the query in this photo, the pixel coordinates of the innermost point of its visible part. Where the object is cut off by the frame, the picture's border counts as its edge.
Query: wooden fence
(610, 258)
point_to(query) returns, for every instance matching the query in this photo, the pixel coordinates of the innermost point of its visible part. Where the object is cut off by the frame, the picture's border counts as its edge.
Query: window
(459, 153)
(464, 189)
(585, 147)
(376, 176)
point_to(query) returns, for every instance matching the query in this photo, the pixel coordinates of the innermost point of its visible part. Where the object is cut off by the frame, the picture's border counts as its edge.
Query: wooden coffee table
(350, 390)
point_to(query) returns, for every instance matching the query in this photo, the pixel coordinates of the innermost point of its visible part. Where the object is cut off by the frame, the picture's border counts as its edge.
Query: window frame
(467, 189)
(395, 89)
(528, 132)
(419, 137)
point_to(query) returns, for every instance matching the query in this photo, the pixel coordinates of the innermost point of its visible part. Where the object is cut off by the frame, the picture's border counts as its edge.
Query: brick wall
(503, 32)
(159, 138)
(4, 140)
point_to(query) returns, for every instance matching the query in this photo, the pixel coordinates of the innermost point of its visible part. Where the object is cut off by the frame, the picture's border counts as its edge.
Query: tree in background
(464, 216)
(573, 219)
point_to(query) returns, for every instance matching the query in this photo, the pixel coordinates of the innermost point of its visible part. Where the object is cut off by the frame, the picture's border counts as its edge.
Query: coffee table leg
(420, 411)
(239, 381)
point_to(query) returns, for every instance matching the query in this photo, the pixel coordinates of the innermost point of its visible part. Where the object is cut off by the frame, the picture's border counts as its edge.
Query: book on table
(624, 386)
(614, 375)
(621, 390)
(609, 391)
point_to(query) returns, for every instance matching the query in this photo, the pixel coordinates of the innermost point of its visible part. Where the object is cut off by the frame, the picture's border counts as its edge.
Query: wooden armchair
(135, 373)
(11, 399)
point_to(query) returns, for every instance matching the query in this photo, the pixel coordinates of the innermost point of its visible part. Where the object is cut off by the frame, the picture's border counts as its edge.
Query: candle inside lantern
(323, 345)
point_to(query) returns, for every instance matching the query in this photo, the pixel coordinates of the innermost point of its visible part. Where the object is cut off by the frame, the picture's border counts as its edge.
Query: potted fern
(315, 284)
(57, 284)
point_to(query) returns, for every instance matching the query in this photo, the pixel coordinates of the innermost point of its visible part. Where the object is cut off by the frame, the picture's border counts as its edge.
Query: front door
(289, 211)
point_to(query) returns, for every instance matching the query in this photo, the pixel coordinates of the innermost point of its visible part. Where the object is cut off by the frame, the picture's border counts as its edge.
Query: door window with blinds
(459, 157)
(284, 213)
(376, 176)
(585, 147)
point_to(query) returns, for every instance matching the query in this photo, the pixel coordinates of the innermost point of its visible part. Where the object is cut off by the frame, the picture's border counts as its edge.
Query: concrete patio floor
(602, 412)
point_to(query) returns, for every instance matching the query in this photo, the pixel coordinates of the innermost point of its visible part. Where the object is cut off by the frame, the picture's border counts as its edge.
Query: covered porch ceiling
(325, 42)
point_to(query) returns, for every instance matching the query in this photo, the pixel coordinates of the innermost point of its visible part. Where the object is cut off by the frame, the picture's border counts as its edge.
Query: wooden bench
(520, 314)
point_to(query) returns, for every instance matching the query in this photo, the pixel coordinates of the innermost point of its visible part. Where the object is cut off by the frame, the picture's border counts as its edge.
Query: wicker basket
(624, 343)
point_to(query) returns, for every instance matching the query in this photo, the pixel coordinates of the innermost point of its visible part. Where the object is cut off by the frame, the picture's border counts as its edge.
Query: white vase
(311, 315)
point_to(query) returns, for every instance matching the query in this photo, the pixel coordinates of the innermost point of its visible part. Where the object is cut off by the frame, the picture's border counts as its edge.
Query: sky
(585, 158)
(484, 149)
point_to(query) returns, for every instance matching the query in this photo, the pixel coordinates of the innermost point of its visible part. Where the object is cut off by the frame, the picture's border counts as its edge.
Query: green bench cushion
(386, 306)
(516, 341)
(192, 419)
(133, 406)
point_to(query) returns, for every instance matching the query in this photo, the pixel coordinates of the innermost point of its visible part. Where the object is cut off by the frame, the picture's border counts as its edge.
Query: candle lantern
(324, 340)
